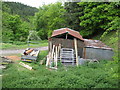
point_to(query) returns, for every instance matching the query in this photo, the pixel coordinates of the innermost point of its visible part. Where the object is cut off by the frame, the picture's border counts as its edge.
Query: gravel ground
(10, 52)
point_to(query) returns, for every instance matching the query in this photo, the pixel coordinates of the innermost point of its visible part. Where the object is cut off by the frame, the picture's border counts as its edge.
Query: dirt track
(10, 52)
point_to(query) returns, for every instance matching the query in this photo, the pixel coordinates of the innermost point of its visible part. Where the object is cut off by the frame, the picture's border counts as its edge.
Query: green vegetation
(49, 18)
(23, 45)
(90, 75)
(93, 20)
(20, 9)
(97, 75)
(89, 19)
(17, 22)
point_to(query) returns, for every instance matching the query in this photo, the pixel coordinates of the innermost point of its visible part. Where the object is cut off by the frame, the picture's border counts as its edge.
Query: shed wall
(98, 53)
(68, 43)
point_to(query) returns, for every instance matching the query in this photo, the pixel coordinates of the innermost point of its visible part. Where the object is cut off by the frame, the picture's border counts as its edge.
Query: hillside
(19, 9)
(17, 20)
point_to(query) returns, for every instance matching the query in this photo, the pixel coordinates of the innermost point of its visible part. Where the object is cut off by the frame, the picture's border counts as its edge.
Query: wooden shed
(68, 39)
(65, 37)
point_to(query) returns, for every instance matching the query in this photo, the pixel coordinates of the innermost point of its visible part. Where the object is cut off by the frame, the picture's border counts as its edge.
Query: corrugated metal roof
(95, 44)
(67, 30)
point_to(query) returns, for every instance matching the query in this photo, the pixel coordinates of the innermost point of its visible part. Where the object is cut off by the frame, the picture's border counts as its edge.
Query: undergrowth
(89, 75)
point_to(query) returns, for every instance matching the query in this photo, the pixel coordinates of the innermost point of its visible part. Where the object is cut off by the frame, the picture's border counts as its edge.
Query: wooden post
(53, 50)
(56, 57)
(59, 47)
(50, 43)
(76, 51)
(66, 35)
(84, 53)
(48, 59)
(51, 55)
(47, 62)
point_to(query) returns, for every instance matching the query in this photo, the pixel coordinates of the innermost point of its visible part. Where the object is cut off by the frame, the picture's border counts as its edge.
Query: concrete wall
(98, 53)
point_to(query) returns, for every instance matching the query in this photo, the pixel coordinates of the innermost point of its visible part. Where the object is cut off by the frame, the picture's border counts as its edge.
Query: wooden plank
(25, 65)
(84, 51)
(59, 50)
(76, 51)
(66, 35)
(53, 50)
(51, 55)
(47, 62)
(56, 57)
(50, 42)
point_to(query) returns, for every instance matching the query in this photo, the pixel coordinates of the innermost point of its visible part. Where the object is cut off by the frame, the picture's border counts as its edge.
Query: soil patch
(13, 58)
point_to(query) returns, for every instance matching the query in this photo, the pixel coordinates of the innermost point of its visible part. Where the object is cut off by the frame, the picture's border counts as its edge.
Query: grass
(86, 76)
(23, 45)
(90, 75)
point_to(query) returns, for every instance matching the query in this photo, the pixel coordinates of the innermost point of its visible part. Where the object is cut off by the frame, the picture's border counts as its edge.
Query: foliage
(72, 14)
(49, 18)
(13, 28)
(16, 22)
(20, 9)
(97, 76)
(98, 17)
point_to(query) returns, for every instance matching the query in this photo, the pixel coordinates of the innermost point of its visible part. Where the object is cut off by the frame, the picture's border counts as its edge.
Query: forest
(89, 19)
(93, 20)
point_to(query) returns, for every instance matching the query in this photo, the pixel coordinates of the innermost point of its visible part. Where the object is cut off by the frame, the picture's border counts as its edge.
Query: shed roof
(95, 44)
(67, 30)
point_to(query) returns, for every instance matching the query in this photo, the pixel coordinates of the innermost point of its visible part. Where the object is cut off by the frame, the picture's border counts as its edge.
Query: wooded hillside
(18, 8)
(89, 19)
(17, 20)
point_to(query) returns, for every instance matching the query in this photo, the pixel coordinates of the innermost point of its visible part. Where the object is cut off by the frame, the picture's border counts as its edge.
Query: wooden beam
(50, 43)
(66, 35)
(59, 48)
(56, 57)
(76, 50)
(25, 65)
(53, 50)
(51, 55)
(47, 62)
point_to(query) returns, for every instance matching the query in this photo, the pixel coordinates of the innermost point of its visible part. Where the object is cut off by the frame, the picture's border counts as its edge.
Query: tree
(97, 17)
(16, 23)
(13, 28)
(49, 18)
(72, 14)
